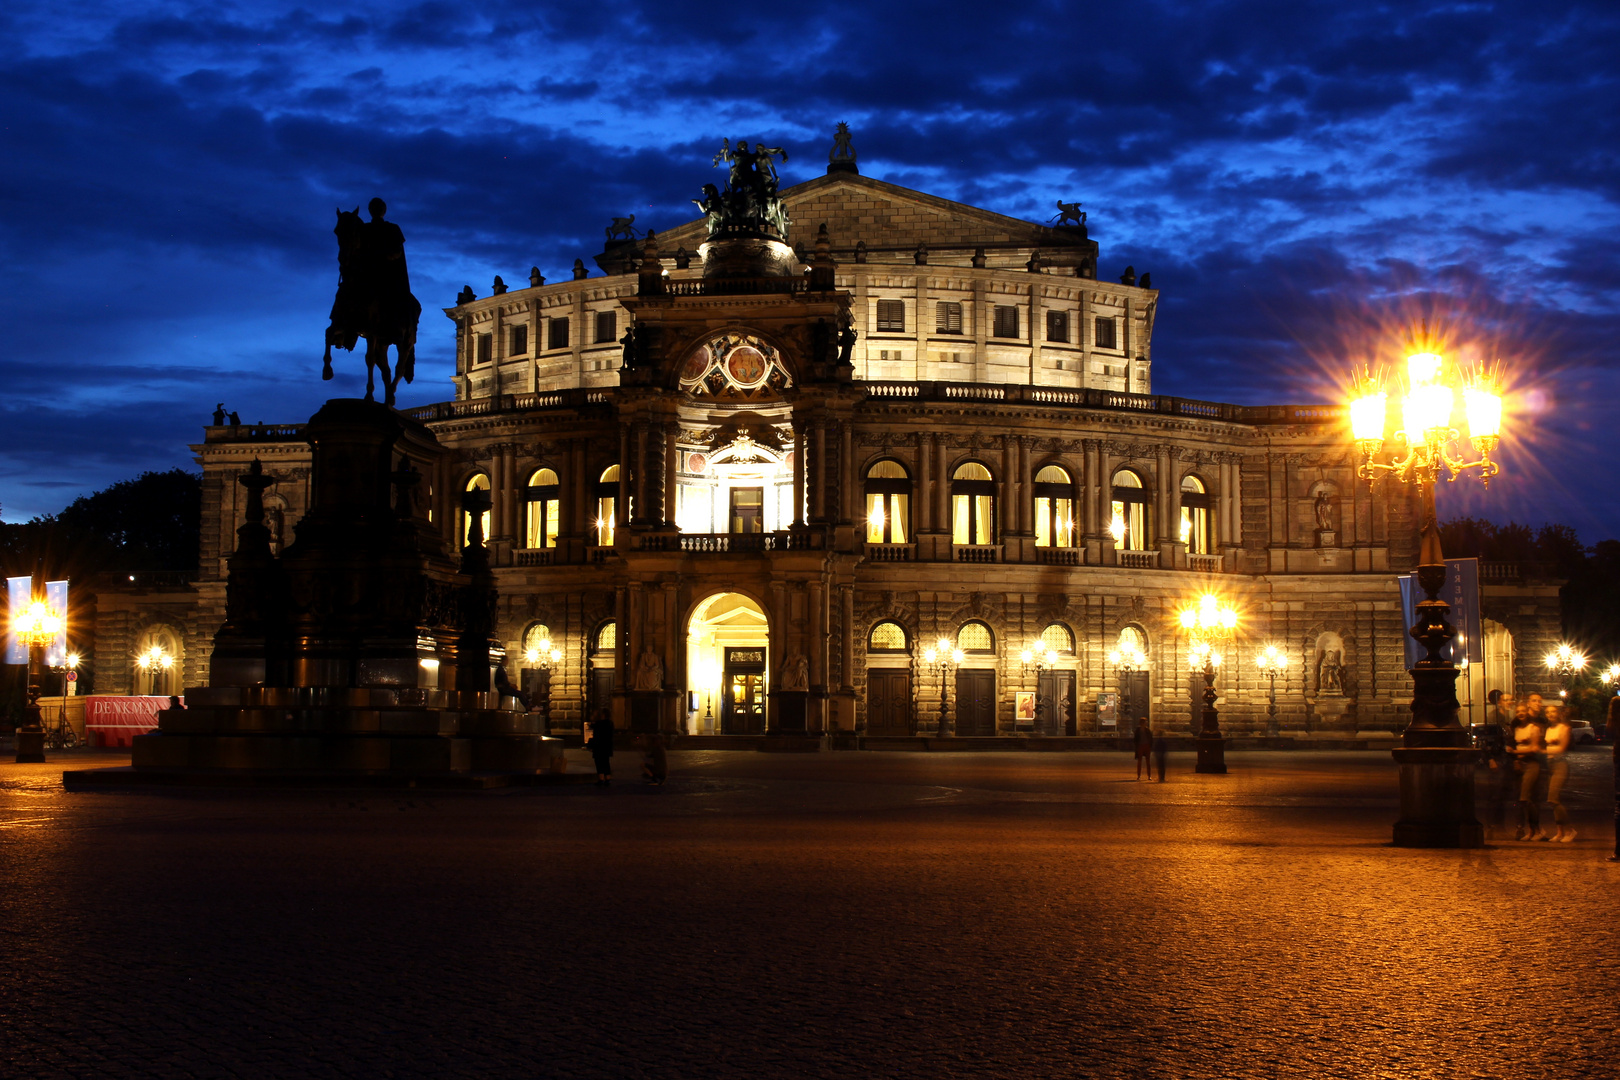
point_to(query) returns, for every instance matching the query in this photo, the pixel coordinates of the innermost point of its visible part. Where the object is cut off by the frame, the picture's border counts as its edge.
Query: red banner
(113, 721)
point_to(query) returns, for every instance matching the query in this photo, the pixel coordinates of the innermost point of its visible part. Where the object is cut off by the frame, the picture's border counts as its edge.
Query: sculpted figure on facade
(750, 203)
(796, 673)
(649, 670)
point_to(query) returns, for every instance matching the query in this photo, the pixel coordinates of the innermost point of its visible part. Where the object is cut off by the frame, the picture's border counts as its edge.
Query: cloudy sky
(1305, 181)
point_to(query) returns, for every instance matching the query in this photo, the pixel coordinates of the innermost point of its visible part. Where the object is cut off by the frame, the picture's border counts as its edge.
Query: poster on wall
(1108, 710)
(1024, 703)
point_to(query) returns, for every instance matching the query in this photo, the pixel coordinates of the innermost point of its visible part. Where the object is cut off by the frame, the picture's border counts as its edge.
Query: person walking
(1161, 751)
(1144, 747)
(601, 747)
(656, 768)
(1527, 760)
(1556, 740)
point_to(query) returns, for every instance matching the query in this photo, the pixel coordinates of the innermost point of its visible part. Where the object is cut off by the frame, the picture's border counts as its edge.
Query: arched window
(1129, 522)
(607, 506)
(1058, 638)
(1195, 530)
(887, 637)
(973, 505)
(537, 638)
(888, 503)
(477, 482)
(975, 637)
(607, 638)
(543, 511)
(1132, 646)
(1054, 508)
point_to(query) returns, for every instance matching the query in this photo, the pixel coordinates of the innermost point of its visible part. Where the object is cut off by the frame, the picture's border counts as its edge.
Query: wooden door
(600, 691)
(1133, 699)
(742, 704)
(1055, 715)
(888, 701)
(975, 702)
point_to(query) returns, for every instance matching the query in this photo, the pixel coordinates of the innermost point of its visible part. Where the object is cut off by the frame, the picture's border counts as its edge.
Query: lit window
(888, 503)
(544, 510)
(975, 637)
(607, 506)
(1195, 518)
(478, 482)
(887, 637)
(973, 505)
(607, 639)
(1129, 519)
(1054, 508)
(1057, 638)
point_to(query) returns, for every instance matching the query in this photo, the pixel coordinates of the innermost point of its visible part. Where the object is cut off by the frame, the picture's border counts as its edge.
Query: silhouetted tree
(152, 520)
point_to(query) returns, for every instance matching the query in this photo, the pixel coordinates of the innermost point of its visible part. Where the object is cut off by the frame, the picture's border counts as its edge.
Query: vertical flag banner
(19, 590)
(1461, 591)
(56, 595)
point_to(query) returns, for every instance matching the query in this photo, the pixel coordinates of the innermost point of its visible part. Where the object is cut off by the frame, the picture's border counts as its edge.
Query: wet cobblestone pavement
(929, 915)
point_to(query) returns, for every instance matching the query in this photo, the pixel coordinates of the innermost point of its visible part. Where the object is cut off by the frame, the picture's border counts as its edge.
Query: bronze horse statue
(374, 299)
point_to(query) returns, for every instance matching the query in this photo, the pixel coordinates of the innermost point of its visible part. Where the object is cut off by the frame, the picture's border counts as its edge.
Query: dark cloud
(1299, 177)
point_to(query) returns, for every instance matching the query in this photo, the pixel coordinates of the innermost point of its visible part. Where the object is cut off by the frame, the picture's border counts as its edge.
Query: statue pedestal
(790, 712)
(1327, 538)
(1437, 798)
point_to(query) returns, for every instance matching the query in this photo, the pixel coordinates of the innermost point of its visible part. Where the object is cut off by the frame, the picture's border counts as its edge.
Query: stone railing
(1503, 573)
(1092, 398)
(256, 433)
(736, 286)
(1060, 556)
(1139, 560)
(891, 552)
(728, 543)
(535, 557)
(1205, 564)
(979, 553)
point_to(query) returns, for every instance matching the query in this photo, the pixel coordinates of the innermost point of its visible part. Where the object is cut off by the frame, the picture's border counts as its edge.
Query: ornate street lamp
(1566, 662)
(1126, 662)
(1043, 659)
(152, 661)
(1435, 758)
(1272, 662)
(1209, 625)
(942, 656)
(1611, 677)
(36, 627)
(539, 659)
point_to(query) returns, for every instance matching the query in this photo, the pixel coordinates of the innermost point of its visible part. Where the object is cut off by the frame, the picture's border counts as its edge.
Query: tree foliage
(152, 521)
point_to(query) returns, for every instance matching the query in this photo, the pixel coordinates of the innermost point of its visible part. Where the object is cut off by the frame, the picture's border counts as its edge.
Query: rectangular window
(557, 333)
(1006, 324)
(540, 530)
(949, 319)
(887, 517)
(1057, 326)
(891, 354)
(891, 316)
(486, 348)
(520, 341)
(607, 326)
(748, 510)
(1105, 333)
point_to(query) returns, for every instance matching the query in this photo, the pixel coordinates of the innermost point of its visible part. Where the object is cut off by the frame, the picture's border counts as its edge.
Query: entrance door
(975, 702)
(748, 510)
(888, 701)
(1133, 699)
(742, 706)
(600, 691)
(1056, 696)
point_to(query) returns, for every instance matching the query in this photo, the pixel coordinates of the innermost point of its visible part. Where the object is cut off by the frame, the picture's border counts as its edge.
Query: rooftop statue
(1069, 215)
(374, 298)
(749, 205)
(841, 158)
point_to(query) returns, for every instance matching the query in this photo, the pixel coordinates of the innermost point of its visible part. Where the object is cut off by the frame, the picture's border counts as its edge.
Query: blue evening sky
(1305, 181)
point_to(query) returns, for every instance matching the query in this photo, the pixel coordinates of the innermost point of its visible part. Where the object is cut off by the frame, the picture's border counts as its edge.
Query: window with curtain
(1195, 517)
(543, 510)
(1054, 508)
(888, 503)
(478, 482)
(606, 519)
(1129, 521)
(973, 505)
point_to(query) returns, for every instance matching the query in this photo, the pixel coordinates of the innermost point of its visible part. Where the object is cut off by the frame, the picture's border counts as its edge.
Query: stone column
(800, 430)
(848, 508)
(942, 485)
(1007, 492)
(624, 480)
(1026, 482)
(641, 488)
(671, 470)
(846, 596)
(819, 476)
(922, 499)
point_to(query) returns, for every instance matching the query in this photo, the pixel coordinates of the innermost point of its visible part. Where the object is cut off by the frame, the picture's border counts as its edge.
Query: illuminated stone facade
(745, 529)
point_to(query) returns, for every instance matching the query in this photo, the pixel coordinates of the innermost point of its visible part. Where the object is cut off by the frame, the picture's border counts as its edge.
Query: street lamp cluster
(1566, 662)
(1435, 759)
(942, 656)
(1272, 662)
(36, 627)
(1209, 625)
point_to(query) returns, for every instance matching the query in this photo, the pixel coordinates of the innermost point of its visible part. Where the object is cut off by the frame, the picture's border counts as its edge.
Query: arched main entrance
(727, 661)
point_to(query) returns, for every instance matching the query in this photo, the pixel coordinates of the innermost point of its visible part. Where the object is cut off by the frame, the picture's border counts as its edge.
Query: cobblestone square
(808, 915)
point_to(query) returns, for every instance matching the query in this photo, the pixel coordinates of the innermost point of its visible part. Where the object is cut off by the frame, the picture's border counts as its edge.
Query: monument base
(1437, 798)
(1211, 754)
(30, 746)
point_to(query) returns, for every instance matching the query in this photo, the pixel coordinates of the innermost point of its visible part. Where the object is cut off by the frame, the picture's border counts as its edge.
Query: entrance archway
(727, 665)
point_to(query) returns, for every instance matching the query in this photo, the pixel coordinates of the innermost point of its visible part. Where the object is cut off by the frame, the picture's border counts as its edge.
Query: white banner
(19, 591)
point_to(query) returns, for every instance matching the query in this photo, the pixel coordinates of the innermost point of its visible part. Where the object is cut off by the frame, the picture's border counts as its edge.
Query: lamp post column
(1211, 743)
(31, 736)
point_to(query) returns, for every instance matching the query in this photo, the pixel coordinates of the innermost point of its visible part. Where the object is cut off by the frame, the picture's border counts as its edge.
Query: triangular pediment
(885, 215)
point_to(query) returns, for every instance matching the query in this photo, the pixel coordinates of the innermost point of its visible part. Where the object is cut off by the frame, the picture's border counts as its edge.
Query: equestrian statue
(374, 298)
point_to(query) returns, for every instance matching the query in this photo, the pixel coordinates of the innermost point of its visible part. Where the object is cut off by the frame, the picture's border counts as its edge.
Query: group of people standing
(1526, 746)
(1147, 743)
